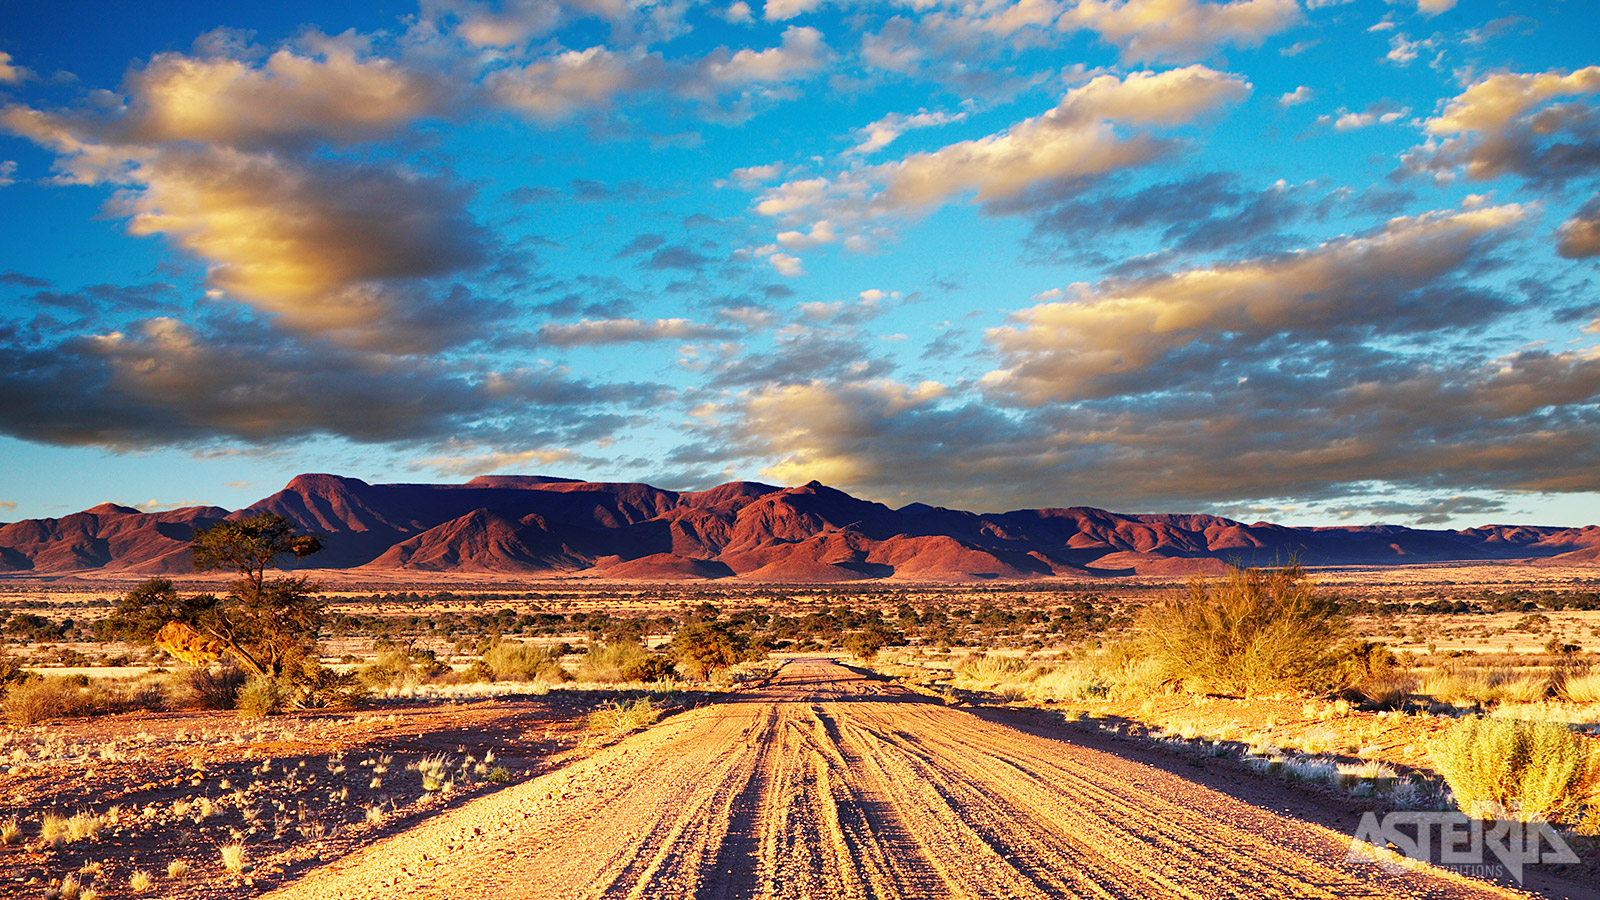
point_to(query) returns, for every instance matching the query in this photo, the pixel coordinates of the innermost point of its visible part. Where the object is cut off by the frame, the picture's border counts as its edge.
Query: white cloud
(1403, 50)
(1076, 138)
(786, 265)
(1181, 30)
(8, 172)
(737, 13)
(779, 10)
(570, 83)
(801, 52)
(1378, 114)
(757, 174)
(877, 135)
(821, 233)
(1435, 7)
(1297, 96)
(10, 72)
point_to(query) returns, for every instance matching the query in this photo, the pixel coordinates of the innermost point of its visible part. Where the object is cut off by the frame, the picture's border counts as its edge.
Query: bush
(1529, 770)
(44, 699)
(1256, 630)
(613, 662)
(402, 667)
(620, 718)
(262, 696)
(316, 686)
(704, 648)
(864, 645)
(210, 687)
(513, 661)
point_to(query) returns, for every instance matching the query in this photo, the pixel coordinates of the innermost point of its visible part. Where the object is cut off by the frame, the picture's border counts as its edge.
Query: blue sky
(1306, 261)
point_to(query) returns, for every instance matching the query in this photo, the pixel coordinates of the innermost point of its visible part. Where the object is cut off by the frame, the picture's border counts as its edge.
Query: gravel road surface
(827, 784)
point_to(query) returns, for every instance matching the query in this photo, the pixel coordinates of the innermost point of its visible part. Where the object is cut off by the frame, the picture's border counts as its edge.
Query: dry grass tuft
(233, 857)
(618, 718)
(1582, 688)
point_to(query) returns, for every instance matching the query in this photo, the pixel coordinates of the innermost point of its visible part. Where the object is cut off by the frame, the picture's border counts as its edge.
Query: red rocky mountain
(812, 533)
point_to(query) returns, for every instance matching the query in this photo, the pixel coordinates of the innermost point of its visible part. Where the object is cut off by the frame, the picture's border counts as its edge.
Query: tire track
(824, 784)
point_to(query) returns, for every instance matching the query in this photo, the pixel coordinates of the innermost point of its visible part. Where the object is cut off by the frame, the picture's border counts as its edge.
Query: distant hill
(534, 525)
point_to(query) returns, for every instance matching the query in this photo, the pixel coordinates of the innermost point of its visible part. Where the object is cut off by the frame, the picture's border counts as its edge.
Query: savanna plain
(1130, 737)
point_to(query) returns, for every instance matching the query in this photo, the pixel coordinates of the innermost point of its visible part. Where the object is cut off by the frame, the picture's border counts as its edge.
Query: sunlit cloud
(1505, 123)
(472, 464)
(1181, 30)
(1108, 339)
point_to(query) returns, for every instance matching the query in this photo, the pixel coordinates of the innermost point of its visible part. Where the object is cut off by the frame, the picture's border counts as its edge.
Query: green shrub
(402, 667)
(704, 648)
(1530, 770)
(652, 668)
(316, 686)
(1253, 631)
(864, 645)
(613, 662)
(514, 661)
(262, 696)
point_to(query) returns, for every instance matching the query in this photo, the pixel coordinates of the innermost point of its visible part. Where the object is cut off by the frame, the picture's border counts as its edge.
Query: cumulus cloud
(1078, 139)
(1505, 123)
(801, 52)
(218, 156)
(1381, 113)
(163, 383)
(286, 234)
(1337, 424)
(779, 10)
(1119, 337)
(1435, 7)
(574, 83)
(10, 72)
(291, 97)
(8, 172)
(1181, 30)
(591, 332)
(1296, 97)
(1580, 235)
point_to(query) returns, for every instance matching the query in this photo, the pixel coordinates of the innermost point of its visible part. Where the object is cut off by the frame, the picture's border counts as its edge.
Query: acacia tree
(266, 624)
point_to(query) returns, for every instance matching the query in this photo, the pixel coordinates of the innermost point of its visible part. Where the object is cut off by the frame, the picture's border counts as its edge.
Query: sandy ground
(824, 783)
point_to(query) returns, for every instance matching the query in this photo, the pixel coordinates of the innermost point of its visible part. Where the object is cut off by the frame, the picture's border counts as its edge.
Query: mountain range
(537, 525)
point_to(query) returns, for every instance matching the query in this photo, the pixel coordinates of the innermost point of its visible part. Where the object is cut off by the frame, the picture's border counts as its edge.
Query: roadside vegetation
(1358, 691)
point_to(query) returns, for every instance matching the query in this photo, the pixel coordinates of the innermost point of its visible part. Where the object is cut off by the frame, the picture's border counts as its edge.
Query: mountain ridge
(539, 525)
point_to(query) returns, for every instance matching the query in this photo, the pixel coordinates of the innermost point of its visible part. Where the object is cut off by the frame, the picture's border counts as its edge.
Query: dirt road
(826, 784)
